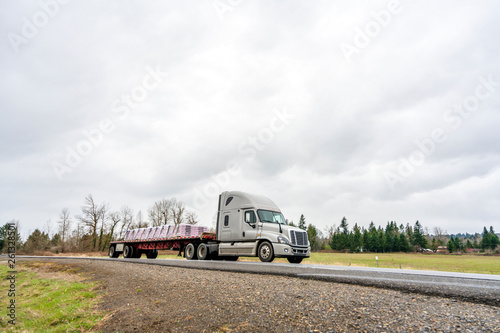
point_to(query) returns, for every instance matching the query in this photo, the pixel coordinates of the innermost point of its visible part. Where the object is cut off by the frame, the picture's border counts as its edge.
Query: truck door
(248, 233)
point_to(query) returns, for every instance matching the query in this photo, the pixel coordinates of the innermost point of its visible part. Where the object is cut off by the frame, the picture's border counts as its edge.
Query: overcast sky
(373, 110)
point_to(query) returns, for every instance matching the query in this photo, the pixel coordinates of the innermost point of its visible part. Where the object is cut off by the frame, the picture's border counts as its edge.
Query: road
(479, 288)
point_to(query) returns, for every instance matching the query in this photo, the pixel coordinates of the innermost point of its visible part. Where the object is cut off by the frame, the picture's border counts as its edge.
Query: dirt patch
(54, 270)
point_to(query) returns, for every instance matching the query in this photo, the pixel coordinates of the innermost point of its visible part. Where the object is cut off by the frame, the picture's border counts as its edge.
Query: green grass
(48, 304)
(430, 262)
(433, 262)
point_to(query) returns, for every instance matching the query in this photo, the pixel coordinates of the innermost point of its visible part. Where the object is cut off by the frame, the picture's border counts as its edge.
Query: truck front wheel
(266, 252)
(190, 251)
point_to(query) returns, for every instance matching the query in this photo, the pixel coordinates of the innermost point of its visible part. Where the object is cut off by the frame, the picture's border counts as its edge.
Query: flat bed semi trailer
(136, 248)
(247, 225)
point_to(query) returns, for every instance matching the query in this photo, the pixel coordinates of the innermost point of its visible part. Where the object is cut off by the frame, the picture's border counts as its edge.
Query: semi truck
(247, 225)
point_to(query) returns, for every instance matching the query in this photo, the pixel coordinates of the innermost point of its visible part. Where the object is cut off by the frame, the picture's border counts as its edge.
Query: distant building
(442, 249)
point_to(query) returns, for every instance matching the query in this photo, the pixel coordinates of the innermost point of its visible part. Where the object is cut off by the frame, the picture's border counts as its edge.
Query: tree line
(96, 225)
(394, 238)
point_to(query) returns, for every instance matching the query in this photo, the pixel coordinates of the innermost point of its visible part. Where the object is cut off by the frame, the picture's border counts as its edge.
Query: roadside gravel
(143, 298)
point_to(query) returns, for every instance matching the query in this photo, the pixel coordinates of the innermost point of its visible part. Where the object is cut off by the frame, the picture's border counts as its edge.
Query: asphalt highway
(479, 288)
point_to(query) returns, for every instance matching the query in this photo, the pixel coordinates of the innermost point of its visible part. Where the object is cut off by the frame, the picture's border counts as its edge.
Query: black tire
(295, 260)
(112, 252)
(128, 252)
(137, 254)
(152, 255)
(190, 251)
(266, 252)
(203, 252)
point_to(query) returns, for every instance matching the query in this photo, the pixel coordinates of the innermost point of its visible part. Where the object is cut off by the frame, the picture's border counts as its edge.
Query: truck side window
(226, 220)
(250, 216)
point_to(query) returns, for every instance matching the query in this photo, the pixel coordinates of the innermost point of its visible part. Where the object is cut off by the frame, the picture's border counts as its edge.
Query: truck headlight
(283, 240)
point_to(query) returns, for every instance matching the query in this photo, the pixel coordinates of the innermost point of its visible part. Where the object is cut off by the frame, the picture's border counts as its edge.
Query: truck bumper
(284, 251)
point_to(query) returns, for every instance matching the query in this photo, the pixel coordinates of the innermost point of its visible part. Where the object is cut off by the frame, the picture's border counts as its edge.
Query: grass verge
(49, 298)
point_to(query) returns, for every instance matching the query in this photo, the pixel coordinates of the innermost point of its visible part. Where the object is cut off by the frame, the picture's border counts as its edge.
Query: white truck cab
(253, 225)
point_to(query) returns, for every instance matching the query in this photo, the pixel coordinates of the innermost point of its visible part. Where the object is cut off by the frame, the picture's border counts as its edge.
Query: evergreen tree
(418, 236)
(365, 240)
(405, 245)
(302, 222)
(341, 236)
(335, 242)
(37, 241)
(7, 231)
(356, 239)
(371, 239)
(312, 234)
(451, 245)
(490, 240)
(409, 233)
(3, 236)
(494, 239)
(458, 244)
(380, 243)
(344, 226)
(434, 244)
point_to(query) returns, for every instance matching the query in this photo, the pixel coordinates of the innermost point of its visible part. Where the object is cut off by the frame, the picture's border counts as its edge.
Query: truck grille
(298, 238)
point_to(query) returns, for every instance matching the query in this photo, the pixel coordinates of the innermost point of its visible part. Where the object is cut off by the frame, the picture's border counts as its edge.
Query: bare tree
(160, 213)
(439, 233)
(170, 211)
(92, 214)
(178, 209)
(102, 229)
(48, 228)
(115, 218)
(330, 231)
(64, 227)
(191, 217)
(140, 223)
(127, 219)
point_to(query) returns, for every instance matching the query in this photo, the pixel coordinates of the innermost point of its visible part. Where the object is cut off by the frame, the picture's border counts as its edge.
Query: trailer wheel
(112, 252)
(202, 252)
(266, 252)
(190, 251)
(128, 252)
(295, 260)
(152, 255)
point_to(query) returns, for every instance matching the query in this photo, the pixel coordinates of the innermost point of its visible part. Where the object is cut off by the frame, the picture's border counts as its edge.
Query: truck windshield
(270, 216)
